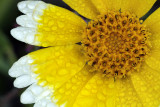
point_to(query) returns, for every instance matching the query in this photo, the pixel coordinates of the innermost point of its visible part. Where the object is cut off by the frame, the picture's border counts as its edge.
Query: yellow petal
(126, 94)
(153, 60)
(153, 24)
(103, 92)
(155, 41)
(68, 92)
(137, 7)
(47, 25)
(147, 85)
(87, 89)
(55, 65)
(84, 7)
(152, 77)
(131, 5)
(92, 8)
(58, 26)
(97, 92)
(140, 7)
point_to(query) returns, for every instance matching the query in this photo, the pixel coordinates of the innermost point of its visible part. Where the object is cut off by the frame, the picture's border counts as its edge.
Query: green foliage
(7, 56)
(6, 11)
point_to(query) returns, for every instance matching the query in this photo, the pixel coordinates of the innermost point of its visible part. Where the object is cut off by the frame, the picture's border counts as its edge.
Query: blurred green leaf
(7, 11)
(4, 7)
(7, 56)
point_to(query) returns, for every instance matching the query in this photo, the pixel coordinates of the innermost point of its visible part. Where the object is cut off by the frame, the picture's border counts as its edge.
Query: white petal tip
(17, 34)
(27, 97)
(28, 6)
(22, 5)
(21, 67)
(25, 34)
(51, 105)
(26, 21)
(23, 81)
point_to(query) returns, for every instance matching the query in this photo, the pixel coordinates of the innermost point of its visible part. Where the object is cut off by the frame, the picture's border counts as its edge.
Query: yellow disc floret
(116, 43)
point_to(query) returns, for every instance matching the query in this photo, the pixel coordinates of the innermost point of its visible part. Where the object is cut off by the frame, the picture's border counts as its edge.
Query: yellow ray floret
(92, 8)
(84, 7)
(139, 7)
(69, 91)
(153, 23)
(153, 60)
(58, 26)
(102, 92)
(155, 41)
(147, 83)
(55, 65)
(127, 95)
(88, 89)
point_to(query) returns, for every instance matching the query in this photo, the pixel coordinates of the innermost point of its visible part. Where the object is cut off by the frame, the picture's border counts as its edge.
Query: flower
(111, 61)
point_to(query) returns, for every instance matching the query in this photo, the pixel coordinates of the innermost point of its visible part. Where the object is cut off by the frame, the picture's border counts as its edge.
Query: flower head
(111, 61)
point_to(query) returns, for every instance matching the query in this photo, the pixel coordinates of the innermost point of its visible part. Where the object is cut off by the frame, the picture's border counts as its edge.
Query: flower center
(116, 43)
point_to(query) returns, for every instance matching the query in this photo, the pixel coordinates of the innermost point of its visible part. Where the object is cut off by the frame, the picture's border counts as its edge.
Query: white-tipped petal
(33, 11)
(25, 34)
(51, 105)
(21, 67)
(36, 89)
(41, 6)
(39, 11)
(27, 97)
(33, 92)
(44, 103)
(26, 21)
(46, 94)
(28, 6)
(36, 15)
(24, 81)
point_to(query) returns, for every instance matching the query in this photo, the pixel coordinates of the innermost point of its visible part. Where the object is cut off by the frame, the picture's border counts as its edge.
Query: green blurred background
(11, 50)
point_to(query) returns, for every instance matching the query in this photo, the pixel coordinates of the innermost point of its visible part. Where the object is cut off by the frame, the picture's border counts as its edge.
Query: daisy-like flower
(111, 61)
